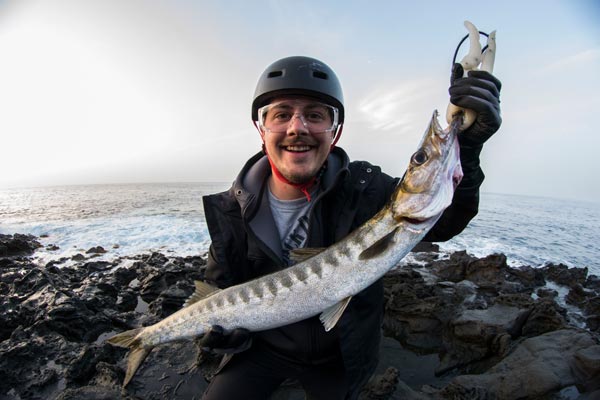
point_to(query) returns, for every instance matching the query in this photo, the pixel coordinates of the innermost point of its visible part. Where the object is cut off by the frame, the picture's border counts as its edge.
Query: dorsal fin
(379, 246)
(203, 290)
(299, 255)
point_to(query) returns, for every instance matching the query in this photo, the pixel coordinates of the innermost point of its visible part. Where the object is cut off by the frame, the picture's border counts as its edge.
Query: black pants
(257, 372)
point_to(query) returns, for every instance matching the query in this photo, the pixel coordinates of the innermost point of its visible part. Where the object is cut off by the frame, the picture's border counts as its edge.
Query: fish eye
(420, 157)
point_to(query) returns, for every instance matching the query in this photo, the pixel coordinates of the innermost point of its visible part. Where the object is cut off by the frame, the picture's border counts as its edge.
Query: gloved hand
(218, 342)
(480, 92)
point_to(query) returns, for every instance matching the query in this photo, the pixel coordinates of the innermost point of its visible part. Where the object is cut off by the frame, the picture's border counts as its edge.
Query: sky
(124, 91)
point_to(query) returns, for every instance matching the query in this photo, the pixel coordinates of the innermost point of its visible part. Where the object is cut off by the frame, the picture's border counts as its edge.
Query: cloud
(402, 105)
(573, 61)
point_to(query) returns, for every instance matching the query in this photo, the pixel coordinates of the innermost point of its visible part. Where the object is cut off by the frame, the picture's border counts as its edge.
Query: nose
(297, 125)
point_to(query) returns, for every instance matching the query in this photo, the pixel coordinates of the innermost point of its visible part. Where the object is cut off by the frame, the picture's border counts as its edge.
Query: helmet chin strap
(303, 187)
(337, 136)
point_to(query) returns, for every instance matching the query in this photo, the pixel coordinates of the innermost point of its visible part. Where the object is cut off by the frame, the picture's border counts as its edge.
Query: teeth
(297, 148)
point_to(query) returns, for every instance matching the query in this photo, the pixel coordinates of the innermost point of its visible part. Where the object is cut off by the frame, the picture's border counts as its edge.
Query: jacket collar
(250, 182)
(249, 187)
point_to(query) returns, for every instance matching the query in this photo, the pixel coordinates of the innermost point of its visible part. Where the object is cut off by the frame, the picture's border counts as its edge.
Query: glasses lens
(316, 117)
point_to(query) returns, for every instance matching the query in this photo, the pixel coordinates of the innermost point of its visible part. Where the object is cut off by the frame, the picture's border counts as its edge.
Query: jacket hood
(250, 182)
(249, 187)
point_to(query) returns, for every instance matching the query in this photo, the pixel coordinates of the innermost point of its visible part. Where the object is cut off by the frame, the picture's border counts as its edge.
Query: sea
(131, 219)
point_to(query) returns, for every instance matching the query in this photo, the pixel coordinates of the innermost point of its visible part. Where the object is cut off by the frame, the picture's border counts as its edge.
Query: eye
(281, 116)
(315, 116)
(419, 158)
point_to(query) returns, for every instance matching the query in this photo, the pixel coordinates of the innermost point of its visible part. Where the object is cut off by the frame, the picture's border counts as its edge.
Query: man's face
(297, 135)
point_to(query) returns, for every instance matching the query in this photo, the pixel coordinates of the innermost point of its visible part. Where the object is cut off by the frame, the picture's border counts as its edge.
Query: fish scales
(330, 277)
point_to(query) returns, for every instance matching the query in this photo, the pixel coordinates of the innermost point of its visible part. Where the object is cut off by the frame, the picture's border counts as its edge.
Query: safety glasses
(315, 116)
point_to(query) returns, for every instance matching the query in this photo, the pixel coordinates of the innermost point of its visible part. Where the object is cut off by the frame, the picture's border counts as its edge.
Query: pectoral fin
(379, 246)
(203, 290)
(332, 315)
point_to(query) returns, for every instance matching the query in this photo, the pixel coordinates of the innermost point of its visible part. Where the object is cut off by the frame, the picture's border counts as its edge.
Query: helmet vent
(275, 74)
(320, 75)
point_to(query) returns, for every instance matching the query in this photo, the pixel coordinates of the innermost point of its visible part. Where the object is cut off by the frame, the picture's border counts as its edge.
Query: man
(302, 191)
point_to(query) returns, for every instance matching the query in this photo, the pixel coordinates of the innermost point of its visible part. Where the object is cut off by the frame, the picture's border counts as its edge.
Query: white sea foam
(134, 219)
(124, 220)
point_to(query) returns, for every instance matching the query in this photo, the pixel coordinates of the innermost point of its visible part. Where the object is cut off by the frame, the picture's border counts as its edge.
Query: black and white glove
(478, 91)
(218, 342)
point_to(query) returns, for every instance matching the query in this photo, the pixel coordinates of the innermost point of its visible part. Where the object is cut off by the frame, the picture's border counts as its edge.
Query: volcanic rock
(489, 331)
(564, 275)
(96, 250)
(17, 245)
(536, 367)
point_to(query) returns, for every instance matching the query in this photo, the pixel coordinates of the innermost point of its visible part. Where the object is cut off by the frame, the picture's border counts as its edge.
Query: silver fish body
(325, 282)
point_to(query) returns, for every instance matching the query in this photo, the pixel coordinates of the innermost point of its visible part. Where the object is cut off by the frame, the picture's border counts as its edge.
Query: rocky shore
(455, 328)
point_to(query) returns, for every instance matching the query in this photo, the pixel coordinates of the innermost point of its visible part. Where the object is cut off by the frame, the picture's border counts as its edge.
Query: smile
(297, 148)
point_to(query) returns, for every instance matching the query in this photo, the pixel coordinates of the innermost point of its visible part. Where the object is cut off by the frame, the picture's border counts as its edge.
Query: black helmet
(299, 76)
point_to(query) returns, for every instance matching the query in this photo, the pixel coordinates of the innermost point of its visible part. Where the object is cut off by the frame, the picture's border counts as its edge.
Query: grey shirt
(291, 219)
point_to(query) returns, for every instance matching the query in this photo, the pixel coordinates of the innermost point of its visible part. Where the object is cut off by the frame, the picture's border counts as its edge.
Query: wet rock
(54, 263)
(564, 275)
(529, 277)
(547, 293)
(158, 281)
(488, 271)
(96, 250)
(84, 365)
(156, 259)
(477, 334)
(453, 269)
(98, 296)
(94, 393)
(381, 387)
(592, 282)
(29, 362)
(586, 367)
(77, 323)
(578, 294)
(172, 298)
(17, 245)
(519, 300)
(412, 312)
(126, 301)
(78, 257)
(545, 316)
(593, 323)
(107, 375)
(97, 266)
(477, 314)
(426, 247)
(123, 276)
(536, 367)
(591, 309)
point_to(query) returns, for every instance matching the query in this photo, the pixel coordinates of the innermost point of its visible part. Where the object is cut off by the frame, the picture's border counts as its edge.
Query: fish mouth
(416, 220)
(418, 225)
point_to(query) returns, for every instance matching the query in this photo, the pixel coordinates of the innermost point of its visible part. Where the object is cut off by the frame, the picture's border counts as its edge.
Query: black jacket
(246, 245)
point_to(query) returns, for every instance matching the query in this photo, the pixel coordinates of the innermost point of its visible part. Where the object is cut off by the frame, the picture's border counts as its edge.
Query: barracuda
(325, 281)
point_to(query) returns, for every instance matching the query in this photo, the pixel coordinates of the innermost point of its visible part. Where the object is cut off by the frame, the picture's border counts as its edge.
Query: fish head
(433, 174)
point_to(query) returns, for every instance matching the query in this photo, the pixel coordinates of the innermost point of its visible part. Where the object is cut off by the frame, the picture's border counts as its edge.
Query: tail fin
(137, 353)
